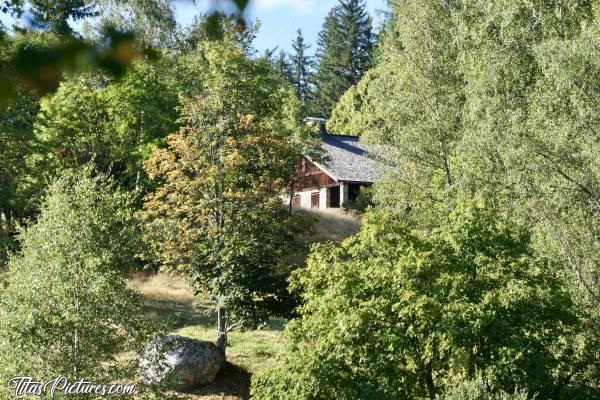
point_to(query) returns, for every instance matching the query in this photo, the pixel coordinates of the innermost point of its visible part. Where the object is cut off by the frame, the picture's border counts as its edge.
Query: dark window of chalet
(314, 200)
(334, 197)
(353, 191)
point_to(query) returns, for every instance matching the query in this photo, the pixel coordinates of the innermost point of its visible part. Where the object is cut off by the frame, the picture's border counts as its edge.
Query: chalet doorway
(334, 197)
(314, 200)
(296, 200)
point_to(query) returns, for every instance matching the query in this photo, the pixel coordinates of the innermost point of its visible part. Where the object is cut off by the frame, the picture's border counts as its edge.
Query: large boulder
(180, 362)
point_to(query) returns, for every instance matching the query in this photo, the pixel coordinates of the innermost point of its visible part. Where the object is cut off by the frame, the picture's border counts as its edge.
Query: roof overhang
(322, 168)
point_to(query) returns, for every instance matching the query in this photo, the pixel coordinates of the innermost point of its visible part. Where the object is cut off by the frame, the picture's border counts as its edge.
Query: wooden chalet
(335, 180)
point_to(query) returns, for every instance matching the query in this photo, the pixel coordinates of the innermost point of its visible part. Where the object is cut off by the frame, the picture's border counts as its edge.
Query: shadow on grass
(177, 315)
(233, 381)
(184, 315)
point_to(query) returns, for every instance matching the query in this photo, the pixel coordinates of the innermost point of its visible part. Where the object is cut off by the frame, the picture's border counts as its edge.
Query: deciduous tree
(397, 314)
(65, 309)
(216, 214)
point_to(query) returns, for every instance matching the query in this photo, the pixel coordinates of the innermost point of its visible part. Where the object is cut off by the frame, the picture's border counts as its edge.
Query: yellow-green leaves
(397, 314)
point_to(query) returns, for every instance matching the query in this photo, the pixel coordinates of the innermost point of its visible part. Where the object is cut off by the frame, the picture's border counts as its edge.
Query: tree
(216, 215)
(42, 69)
(301, 69)
(412, 102)
(482, 99)
(283, 66)
(355, 110)
(113, 124)
(152, 22)
(73, 126)
(544, 164)
(479, 389)
(18, 194)
(396, 313)
(343, 55)
(142, 110)
(65, 309)
(55, 15)
(18, 142)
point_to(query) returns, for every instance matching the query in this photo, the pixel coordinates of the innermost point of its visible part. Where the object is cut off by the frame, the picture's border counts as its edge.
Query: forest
(132, 145)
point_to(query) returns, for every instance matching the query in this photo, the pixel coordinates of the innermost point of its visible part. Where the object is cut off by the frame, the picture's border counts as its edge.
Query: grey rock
(180, 362)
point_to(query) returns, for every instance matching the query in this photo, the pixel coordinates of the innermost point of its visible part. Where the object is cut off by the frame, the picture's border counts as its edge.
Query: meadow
(169, 298)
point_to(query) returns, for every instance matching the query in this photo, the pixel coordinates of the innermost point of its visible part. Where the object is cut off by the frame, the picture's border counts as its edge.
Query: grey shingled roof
(345, 158)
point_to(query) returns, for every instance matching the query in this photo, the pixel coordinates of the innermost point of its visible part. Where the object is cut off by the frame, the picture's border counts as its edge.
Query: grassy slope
(171, 299)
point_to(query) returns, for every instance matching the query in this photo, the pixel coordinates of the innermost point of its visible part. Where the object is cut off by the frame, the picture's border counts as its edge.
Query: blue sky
(279, 18)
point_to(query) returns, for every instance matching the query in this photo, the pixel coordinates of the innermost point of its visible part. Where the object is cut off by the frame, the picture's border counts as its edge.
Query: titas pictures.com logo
(23, 386)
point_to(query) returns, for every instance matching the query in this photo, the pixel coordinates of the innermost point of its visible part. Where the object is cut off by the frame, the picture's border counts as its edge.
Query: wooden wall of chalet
(309, 176)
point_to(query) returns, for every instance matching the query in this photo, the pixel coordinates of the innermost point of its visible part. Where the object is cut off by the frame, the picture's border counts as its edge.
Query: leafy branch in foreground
(41, 68)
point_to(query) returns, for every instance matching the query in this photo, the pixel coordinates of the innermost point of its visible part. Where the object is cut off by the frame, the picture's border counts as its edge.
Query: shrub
(480, 389)
(399, 314)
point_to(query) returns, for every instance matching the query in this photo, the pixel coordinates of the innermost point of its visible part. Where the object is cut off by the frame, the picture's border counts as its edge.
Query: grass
(171, 299)
(162, 288)
(332, 224)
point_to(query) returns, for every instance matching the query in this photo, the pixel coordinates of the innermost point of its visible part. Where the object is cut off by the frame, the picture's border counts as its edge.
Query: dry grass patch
(332, 224)
(162, 287)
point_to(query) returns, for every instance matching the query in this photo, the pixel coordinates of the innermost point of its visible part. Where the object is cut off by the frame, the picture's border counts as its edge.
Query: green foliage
(216, 215)
(397, 314)
(479, 389)
(41, 69)
(544, 164)
(301, 66)
(282, 65)
(496, 99)
(66, 309)
(346, 111)
(421, 120)
(152, 22)
(343, 54)
(17, 143)
(114, 126)
(55, 15)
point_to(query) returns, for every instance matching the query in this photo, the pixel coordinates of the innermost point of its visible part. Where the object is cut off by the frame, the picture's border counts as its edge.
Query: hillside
(171, 299)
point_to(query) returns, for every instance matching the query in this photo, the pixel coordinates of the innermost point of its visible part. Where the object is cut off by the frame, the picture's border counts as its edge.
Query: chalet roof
(345, 158)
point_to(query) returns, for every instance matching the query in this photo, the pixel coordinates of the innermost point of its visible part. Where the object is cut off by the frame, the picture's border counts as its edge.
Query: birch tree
(66, 309)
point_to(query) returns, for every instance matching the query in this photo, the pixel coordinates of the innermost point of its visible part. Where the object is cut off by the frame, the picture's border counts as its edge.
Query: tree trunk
(221, 331)
(429, 382)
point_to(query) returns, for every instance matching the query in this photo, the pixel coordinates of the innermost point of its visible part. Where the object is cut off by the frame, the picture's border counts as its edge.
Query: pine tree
(55, 15)
(344, 53)
(282, 65)
(301, 65)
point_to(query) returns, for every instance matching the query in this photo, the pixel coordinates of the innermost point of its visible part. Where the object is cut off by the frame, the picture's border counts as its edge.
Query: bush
(398, 314)
(480, 389)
